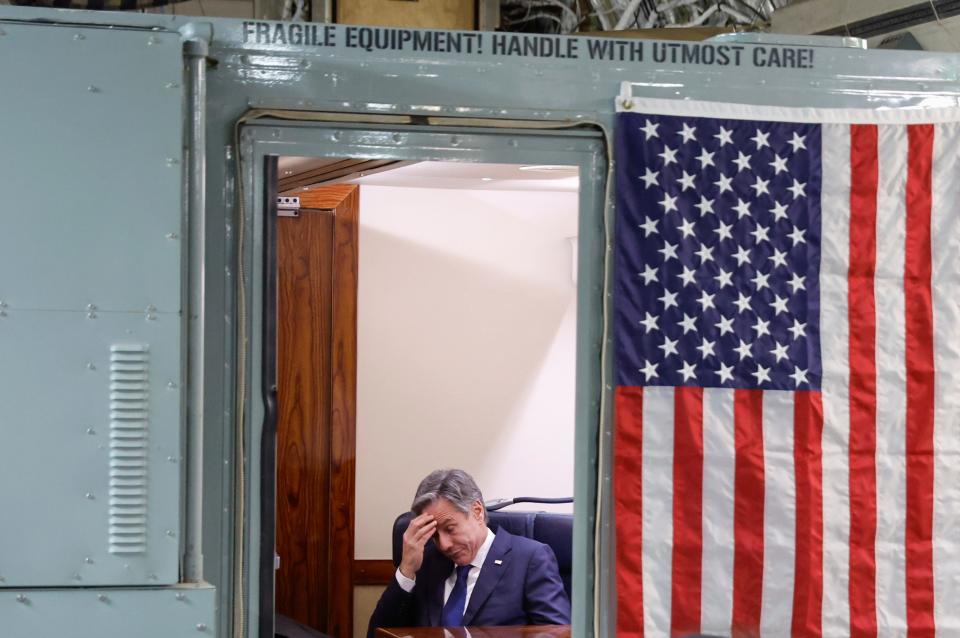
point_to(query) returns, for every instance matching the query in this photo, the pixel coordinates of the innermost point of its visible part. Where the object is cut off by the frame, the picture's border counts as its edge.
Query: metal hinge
(288, 207)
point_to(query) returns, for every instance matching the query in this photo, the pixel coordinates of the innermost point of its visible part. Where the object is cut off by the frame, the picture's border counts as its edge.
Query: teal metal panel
(173, 612)
(75, 479)
(90, 287)
(90, 168)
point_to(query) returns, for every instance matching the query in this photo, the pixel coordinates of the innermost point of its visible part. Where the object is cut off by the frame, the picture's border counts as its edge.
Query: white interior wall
(466, 333)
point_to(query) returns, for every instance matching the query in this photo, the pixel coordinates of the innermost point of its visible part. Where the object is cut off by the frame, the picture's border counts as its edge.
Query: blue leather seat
(555, 530)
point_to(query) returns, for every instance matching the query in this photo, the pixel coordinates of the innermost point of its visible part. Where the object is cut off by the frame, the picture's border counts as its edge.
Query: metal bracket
(288, 207)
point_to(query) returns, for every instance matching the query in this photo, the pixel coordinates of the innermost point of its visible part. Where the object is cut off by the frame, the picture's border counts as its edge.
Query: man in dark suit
(468, 575)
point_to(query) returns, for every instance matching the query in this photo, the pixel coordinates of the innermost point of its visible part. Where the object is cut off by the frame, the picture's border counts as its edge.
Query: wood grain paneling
(328, 196)
(303, 396)
(373, 572)
(343, 399)
(316, 395)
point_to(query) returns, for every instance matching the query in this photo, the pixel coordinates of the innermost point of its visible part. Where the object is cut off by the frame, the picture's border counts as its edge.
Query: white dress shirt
(407, 583)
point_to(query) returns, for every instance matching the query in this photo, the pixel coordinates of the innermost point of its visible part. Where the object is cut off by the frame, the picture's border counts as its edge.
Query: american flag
(787, 405)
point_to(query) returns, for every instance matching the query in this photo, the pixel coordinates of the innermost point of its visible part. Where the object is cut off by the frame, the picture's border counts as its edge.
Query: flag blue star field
(787, 348)
(725, 243)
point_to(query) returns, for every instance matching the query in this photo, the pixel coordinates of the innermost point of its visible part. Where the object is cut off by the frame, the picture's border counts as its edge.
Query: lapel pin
(498, 562)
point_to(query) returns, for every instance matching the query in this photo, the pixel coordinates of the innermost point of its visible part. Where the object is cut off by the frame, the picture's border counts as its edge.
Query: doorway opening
(426, 317)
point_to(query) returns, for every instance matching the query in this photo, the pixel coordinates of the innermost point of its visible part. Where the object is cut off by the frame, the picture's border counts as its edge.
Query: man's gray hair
(456, 486)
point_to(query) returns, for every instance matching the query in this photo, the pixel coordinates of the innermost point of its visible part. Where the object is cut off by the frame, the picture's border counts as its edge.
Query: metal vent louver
(129, 427)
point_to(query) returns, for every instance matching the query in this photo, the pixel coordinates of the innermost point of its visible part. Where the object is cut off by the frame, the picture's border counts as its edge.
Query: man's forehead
(442, 509)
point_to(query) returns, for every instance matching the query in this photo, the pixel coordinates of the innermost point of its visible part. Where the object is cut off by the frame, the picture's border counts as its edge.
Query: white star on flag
(650, 130)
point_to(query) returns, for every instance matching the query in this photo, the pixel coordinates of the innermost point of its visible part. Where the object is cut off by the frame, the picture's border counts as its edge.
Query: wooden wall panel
(316, 394)
(303, 381)
(343, 400)
(373, 572)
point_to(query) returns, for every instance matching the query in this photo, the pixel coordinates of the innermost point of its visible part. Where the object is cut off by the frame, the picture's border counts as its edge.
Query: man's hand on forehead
(418, 532)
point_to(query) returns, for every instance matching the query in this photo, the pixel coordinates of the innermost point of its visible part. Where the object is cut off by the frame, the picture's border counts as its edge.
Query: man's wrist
(406, 584)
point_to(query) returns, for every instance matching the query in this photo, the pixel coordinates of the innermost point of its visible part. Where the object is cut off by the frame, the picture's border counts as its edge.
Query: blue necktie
(452, 614)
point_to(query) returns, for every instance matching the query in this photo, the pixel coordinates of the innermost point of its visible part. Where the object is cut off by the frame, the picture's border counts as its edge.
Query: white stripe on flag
(719, 453)
(779, 514)
(657, 481)
(834, 334)
(946, 339)
(891, 382)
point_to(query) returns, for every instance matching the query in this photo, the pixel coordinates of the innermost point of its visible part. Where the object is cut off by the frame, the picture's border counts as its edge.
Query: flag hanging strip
(787, 405)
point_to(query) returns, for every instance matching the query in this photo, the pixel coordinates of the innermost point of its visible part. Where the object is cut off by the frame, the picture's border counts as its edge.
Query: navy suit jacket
(519, 584)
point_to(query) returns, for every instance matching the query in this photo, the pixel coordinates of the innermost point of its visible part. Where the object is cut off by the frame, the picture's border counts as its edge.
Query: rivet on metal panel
(172, 161)
(88, 560)
(103, 598)
(201, 626)
(93, 89)
(336, 136)
(151, 577)
(180, 596)
(397, 138)
(171, 385)
(454, 141)
(89, 496)
(171, 85)
(513, 143)
(152, 40)
(91, 311)
(77, 577)
(275, 133)
(169, 532)
(172, 459)
(172, 236)
(22, 599)
(79, 36)
(90, 366)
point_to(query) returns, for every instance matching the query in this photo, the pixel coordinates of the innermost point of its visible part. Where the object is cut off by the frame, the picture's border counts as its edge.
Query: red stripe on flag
(687, 510)
(808, 467)
(863, 379)
(748, 512)
(628, 499)
(920, 379)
